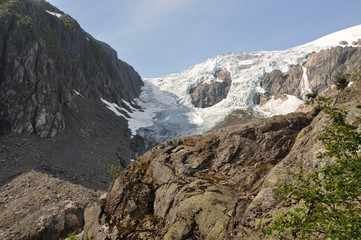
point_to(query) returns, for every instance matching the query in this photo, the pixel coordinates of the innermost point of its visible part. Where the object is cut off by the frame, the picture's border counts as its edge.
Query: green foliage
(340, 80)
(23, 19)
(316, 100)
(114, 171)
(328, 201)
(68, 21)
(72, 235)
(5, 5)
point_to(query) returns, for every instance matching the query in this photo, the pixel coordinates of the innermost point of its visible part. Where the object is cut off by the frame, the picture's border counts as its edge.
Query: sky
(160, 37)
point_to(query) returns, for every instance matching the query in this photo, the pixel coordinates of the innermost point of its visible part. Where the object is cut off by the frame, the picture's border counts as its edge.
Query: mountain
(219, 185)
(70, 108)
(266, 83)
(54, 79)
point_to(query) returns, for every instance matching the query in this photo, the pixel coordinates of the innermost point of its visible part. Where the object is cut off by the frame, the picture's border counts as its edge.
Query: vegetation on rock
(327, 200)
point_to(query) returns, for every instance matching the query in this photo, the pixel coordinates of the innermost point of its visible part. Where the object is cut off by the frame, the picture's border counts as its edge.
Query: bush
(340, 80)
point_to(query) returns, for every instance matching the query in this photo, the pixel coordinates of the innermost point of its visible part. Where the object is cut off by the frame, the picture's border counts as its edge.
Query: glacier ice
(167, 109)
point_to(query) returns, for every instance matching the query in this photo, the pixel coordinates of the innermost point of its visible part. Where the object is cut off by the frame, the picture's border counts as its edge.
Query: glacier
(166, 105)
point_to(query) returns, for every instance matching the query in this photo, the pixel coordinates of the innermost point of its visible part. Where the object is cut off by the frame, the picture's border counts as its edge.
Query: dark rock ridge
(206, 95)
(194, 187)
(43, 59)
(320, 69)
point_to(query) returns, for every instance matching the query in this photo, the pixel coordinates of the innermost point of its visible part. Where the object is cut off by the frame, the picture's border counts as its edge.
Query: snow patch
(77, 93)
(58, 15)
(114, 108)
(279, 107)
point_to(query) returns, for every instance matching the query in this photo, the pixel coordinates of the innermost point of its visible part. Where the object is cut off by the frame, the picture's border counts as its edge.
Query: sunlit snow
(167, 105)
(58, 15)
(113, 107)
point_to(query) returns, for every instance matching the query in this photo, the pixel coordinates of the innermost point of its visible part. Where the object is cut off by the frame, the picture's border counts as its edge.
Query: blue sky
(159, 37)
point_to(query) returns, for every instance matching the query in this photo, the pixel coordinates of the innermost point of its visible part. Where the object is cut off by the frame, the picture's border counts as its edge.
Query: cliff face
(208, 94)
(318, 71)
(52, 78)
(44, 59)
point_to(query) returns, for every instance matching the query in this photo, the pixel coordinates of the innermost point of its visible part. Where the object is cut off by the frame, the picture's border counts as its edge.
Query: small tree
(328, 200)
(340, 80)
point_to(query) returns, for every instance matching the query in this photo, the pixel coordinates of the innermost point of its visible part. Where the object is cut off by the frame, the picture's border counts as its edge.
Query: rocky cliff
(208, 94)
(52, 78)
(216, 186)
(317, 73)
(45, 59)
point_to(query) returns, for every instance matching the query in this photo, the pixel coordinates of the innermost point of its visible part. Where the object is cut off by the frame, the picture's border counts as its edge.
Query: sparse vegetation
(340, 80)
(114, 171)
(328, 201)
(5, 5)
(68, 21)
(23, 19)
(72, 235)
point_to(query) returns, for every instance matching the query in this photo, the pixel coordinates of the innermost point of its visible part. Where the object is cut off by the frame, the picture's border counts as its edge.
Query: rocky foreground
(216, 186)
(37, 206)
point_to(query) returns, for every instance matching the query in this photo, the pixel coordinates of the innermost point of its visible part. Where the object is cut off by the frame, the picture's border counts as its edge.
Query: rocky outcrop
(194, 187)
(208, 94)
(44, 59)
(277, 83)
(320, 68)
(37, 206)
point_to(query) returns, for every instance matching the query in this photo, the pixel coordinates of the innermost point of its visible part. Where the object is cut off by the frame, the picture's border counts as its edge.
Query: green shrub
(328, 200)
(114, 171)
(340, 80)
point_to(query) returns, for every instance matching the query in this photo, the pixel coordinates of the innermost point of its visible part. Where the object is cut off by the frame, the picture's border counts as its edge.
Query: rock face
(277, 83)
(36, 206)
(322, 66)
(206, 95)
(93, 140)
(52, 78)
(319, 70)
(43, 59)
(194, 187)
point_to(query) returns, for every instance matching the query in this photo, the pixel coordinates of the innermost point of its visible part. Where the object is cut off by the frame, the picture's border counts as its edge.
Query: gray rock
(45, 60)
(206, 95)
(345, 43)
